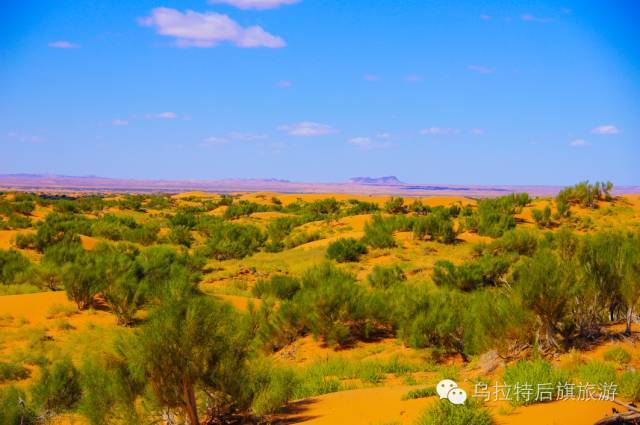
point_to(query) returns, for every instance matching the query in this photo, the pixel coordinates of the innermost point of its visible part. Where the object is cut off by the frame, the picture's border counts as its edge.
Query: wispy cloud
(363, 142)
(413, 78)
(247, 136)
(119, 122)
(606, 129)
(579, 143)
(24, 138)
(214, 141)
(528, 17)
(284, 84)
(380, 140)
(307, 129)
(439, 131)
(63, 45)
(371, 77)
(255, 4)
(477, 131)
(162, 116)
(194, 29)
(485, 17)
(480, 69)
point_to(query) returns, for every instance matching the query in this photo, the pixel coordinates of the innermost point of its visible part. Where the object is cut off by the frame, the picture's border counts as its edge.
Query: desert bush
(421, 393)
(12, 411)
(205, 350)
(10, 371)
(418, 208)
(164, 269)
(242, 209)
(543, 284)
(542, 217)
(630, 385)
(271, 387)
(495, 215)
(379, 233)
(395, 206)
(278, 230)
(229, 240)
(184, 218)
(58, 387)
(346, 250)
(356, 207)
(180, 235)
(438, 225)
(301, 238)
(596, 373)
(279, 286)
(445, 412)
(12, 264)
(58, 227)
(18, 222)
(81, 281)
(470, 275)
(618, 355)
(518, 241)
(536, 374)
(386, 277)
(25, 240)
(585, 194)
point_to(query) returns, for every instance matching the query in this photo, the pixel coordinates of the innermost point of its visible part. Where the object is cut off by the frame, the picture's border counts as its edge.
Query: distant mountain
(386, 181)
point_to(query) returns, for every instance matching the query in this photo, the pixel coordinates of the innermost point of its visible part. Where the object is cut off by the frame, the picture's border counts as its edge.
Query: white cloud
(485, 17)
(477, 131)
(606, 129)
(255, 4)
(25, 138)
(162, 116)
(413, 78)
(383, 136)
(63, 45)
(284, 84)
(371, 77)
(119, 122)
(243, 136)
(362, 142)
(209, 29)
(214, 141)
(527, 17)
(481, 69)
(579, 143)
(439, 131)
(307, 129)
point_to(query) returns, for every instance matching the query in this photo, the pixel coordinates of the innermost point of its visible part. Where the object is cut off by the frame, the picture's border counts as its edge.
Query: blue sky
(466, 92)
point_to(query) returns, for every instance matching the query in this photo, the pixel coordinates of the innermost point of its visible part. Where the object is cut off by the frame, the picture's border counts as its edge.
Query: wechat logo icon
(449, 389)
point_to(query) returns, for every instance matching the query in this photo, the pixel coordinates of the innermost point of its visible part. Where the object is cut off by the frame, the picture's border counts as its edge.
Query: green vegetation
(444, 412)
(346, 249)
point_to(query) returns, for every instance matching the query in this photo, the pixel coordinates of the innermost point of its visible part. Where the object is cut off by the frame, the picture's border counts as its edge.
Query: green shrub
(12, 264)
(12, 412)
(596, 373)
(519, 241)
(386, 277)
(618, 355)
(444, 412)
(536, 374)
(379, 233)
(272, 388)
(495, 215)
(279, 286)
(630, 385)
(421, 393)
(230, 240)
(438, 225)
(395, 206)
(58, 388)
(470, 275)
(180, 235)
(346, 250)
(12, 372)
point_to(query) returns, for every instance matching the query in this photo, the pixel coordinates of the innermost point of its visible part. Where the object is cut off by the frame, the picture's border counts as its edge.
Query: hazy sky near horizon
(465, 92)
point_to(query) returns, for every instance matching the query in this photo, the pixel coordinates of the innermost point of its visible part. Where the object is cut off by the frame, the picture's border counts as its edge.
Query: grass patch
(618, 355)
(597, 373)
(61, 310)
(421, 393)
(19, 289)
(10, 371)
(533, 374)
(444, 412)
(630, 385)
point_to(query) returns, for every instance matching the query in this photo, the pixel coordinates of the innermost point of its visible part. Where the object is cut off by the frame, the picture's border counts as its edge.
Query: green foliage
(11, 410)
(81, 280)
(438, 225)
(585, 194)
(542, 217)
(495, 215)
(58, 388)
(356, 207)
(279, 286)
(12, 372)
(242, 209)
(470, 275)
(395, 206)
(386, 277)
(421, 393)
(379, 233)
(12, 265)
(188, 343)
(445, 412)
(597, 373)
(346, 250)
(180, 235)
(61, 227)
(533, 373)
(230, 240)
(617, 355)
(516, 241)
(630, 385)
